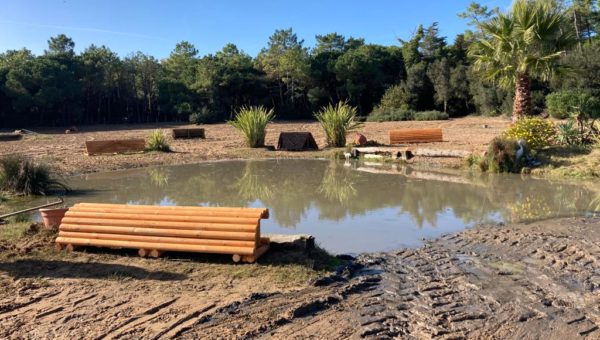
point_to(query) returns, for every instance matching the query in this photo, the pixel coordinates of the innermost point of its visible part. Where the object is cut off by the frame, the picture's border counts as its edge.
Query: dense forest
(425, 72)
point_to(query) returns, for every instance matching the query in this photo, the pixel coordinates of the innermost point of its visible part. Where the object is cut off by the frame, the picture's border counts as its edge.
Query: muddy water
(348, 208)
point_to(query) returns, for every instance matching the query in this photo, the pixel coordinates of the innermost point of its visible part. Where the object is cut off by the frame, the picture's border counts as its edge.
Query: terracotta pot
(53, 217)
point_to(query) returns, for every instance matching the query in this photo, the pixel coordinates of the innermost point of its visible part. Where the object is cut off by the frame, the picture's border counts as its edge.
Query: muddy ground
(66, 152)
(533, 281)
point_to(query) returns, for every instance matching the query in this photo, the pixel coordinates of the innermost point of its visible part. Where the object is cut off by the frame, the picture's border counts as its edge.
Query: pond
(349, 208)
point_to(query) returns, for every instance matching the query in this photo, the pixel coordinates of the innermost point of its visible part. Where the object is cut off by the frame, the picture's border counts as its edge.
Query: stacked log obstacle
(156, 229)
(409, 136)
(7, 137)
(188, 133)
(98, 147)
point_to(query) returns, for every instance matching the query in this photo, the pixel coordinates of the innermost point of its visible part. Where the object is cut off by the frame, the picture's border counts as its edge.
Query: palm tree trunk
(522, 103)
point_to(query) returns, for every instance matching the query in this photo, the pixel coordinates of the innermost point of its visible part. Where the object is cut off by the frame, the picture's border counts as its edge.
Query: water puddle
(348, 208)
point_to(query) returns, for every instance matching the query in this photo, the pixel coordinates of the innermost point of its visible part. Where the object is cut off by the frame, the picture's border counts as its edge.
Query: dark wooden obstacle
(98, 147)
(156, 229)
(296, 141)
(7, 137)
(188, 133)
(409, 136)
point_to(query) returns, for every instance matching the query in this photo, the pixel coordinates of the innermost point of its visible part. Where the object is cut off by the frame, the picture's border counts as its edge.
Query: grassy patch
(574, 162)
(14, 231)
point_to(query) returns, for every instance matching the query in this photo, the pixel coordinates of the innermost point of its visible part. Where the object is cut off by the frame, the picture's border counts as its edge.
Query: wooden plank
(7, 137)
(188, 133)
(264, 213)
(108, 229)
(406, 136)
(97, 147)
(141, 238)
(191, 222)
(158, 246)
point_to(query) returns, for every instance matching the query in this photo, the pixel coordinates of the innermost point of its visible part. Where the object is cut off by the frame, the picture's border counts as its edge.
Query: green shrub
(501, 156)
(395, 97)
(387, 114)
(19, 175)
(157, 141)
(253, 121)
(431, 115)
(337, 121)
(561, 103)
(538, 133)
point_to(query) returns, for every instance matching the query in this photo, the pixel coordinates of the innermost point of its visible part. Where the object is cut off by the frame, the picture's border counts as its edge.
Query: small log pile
(156, 229)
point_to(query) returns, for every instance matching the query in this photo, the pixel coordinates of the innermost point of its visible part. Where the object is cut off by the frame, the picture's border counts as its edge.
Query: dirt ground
(66, 152)
(540, 280)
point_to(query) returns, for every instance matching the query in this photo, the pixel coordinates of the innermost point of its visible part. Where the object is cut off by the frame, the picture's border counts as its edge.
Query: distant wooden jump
(296, 141)
(188, 133)
(408, 136)
(6, 137)
(98, 147)
(156, 229)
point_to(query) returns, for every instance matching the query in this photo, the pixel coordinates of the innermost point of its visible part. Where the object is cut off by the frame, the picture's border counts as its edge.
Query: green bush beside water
(252, 121)
(337, 121)
(157, 141)
(21, 176)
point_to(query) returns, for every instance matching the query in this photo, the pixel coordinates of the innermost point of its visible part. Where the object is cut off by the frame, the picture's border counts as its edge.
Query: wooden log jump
(408, 136)
(98, 147)
(7, 137)
(154, 230)
(188, 133)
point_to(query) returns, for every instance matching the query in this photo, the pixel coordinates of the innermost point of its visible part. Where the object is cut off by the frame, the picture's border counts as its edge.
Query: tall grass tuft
(252, 121)
(337, 121)
(157, 141)
(19, 175)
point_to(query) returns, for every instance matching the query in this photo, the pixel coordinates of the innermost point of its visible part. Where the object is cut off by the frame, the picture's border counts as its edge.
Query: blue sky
(154, 27)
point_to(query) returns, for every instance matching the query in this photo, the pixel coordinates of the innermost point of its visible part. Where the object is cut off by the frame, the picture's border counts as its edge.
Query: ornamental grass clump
(253, 121)
(157, 141)
(337, 121)
(21, 176)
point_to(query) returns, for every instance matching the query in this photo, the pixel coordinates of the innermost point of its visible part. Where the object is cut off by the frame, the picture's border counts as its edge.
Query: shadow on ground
(35, 268)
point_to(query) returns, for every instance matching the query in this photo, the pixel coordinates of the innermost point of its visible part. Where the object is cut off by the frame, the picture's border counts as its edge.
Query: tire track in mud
(539, 281)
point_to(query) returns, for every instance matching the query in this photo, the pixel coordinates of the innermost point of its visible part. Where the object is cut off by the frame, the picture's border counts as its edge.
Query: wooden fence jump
(97, 147)
(408, 136)
(188, 133)
(156, 229)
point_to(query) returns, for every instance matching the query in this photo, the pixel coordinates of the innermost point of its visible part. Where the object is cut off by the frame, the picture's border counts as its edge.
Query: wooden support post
(236, 258)
(156, 253)
(71, 248)
(143, 253)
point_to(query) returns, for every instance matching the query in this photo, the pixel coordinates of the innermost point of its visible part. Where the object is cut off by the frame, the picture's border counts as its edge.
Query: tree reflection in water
(292, 188)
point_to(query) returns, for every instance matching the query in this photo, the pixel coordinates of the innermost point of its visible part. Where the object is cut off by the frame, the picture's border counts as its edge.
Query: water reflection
(353, 208)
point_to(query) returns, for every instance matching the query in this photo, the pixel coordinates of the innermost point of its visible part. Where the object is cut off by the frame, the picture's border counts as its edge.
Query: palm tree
(526, 42)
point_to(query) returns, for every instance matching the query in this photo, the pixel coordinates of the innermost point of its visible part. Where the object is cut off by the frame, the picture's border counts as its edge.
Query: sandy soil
(66, 152)
(533, 281)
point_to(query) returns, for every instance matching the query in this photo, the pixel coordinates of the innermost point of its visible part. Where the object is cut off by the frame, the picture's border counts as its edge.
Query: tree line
(422, 73)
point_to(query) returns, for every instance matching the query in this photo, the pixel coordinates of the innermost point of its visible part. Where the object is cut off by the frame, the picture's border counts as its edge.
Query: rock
(298, 241)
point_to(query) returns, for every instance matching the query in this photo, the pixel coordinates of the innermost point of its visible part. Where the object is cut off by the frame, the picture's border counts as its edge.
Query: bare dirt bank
(66, 152)
(540, 280)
